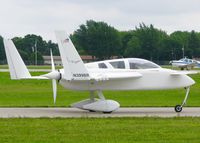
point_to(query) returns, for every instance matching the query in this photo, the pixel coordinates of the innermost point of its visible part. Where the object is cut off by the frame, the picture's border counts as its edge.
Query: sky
(43, 17)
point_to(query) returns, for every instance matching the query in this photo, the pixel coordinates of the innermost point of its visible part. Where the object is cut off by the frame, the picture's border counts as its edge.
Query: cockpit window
(102, 66)
(118, 64)
(186, 60)
(142, 64)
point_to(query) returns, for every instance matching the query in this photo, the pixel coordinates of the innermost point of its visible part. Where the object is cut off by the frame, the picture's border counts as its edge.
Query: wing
(115, 75)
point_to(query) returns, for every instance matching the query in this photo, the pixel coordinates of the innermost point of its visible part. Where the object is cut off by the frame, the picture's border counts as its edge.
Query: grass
(176, 68)
(93, 130)
(38, 93)
(33, 67)
(59, 67)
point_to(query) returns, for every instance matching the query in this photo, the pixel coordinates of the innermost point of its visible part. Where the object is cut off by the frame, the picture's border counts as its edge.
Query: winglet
(17, 68)
(74, 67)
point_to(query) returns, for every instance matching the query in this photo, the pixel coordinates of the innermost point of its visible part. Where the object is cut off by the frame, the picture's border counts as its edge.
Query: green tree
(133, 48)
(40, 60)
(126, 36)
(2, 52)
(27, 47)
(53, 46)
(98, 39)
(170, 50)
(182, 39)
(194, 44)
(145, 42)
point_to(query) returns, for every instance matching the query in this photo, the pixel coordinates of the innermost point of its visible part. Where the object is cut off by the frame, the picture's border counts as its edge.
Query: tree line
(103, 41)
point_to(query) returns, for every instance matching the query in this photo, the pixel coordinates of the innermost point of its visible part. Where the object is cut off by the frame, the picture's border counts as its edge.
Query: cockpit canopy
(141, 64)
(128, 63)
(187, 60)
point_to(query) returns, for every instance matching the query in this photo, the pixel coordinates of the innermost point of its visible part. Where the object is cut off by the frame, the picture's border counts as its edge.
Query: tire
(107, 112)
(178, 108)
(92, 111)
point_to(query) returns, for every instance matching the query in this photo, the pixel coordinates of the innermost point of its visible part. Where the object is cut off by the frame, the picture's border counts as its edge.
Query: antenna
(35, 46)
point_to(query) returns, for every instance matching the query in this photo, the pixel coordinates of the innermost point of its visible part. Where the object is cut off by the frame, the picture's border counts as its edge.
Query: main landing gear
(101, 104)
(178, 108)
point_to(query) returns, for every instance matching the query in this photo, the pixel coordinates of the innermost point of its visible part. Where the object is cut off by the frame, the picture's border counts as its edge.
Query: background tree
(170, 49)
(27, 47)
(145, 42)
(194, 44)
(126, 36)
(133, 47)
(2, 52)
(40, 60)
(98, 39)
(182, 39)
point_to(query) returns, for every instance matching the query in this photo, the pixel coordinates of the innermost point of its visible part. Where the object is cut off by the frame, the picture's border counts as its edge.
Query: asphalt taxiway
(77, 113)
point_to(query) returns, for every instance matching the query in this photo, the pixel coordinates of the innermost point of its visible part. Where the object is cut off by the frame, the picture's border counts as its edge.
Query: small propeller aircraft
(184, 63)
(120, 74)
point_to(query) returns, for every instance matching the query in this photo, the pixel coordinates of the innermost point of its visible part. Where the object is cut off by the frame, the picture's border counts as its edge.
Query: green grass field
(33, 67)
(39, 93)
(102, 130)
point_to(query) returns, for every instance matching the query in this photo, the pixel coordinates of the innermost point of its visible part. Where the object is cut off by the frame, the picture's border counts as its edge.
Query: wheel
(92, 111)
(178, 108)
(107, 112)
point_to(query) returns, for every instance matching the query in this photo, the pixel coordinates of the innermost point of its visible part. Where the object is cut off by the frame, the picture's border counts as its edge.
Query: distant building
(57, 59)
(47, 60)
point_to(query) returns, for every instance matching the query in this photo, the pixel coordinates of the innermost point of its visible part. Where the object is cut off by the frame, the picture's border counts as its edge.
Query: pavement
(77, 113)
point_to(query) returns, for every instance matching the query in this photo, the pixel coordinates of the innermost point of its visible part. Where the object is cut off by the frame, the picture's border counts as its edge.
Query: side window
(133, 65)
(142, 64)
(102, 66)
(118, 64)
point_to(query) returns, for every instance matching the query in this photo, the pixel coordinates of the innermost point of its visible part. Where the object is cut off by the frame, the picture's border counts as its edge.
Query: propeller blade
(53, 76)
(52, 62)
(54, 85)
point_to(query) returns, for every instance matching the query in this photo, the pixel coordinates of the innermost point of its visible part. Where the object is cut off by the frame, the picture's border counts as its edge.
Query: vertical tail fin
(17, 68)
(74, 67)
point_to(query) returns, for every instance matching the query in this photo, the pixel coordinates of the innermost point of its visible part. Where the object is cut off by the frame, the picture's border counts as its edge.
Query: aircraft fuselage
(151, 79)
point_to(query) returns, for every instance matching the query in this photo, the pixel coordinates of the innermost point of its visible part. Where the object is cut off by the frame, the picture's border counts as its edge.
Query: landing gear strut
(178, 108)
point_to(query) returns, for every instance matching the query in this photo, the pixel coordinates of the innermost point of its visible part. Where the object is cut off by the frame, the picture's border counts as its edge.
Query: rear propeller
(54, 84)
(54, 75)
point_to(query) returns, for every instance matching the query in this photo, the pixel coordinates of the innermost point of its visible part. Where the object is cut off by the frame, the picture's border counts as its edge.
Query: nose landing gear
(178, 108)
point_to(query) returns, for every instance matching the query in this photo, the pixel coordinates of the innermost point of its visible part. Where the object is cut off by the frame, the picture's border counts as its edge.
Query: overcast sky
(43, 17)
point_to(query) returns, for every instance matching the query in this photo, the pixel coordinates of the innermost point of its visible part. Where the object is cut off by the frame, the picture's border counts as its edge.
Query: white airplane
(120, 74)
(184, 63)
